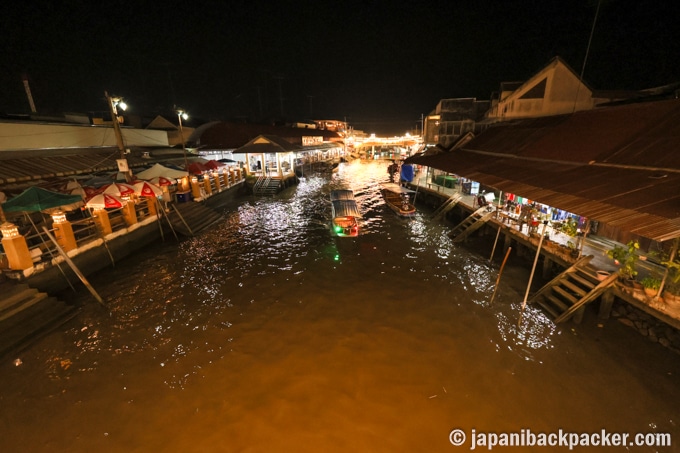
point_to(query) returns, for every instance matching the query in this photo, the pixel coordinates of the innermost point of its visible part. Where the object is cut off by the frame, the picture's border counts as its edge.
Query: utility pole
(122, 162)
(181, 114)
(27, 87)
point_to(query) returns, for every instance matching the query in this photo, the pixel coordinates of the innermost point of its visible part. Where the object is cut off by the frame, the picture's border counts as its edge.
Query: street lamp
(181, 114)
(115, 102)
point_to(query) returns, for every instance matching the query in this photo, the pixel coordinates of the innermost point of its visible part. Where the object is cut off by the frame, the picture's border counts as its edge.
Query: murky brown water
(266, 334)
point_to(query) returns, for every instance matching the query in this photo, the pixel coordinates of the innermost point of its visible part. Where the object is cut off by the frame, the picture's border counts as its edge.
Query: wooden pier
(571, 273)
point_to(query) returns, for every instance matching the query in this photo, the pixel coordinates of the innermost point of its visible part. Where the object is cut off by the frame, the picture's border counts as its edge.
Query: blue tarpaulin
(407, 173)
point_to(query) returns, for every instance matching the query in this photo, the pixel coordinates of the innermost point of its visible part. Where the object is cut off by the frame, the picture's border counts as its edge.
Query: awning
(618, 165)
(644, 202)
(36, 199)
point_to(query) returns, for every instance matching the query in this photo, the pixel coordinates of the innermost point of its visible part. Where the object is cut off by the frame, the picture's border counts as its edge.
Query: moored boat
(398, 198)
(345, 214)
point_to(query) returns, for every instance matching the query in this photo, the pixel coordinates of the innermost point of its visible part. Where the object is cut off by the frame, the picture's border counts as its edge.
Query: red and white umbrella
(146, 189)
(162, 181)
(104, 201)
(119, 189)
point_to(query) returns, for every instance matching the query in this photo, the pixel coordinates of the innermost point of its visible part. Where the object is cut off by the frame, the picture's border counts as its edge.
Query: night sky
(377, 64)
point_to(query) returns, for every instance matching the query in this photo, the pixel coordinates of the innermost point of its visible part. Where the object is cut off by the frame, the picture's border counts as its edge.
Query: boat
(398, 198)
(345, 214)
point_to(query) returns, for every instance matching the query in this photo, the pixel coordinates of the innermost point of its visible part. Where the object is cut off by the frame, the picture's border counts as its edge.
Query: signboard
(122, 165)
(307, 141)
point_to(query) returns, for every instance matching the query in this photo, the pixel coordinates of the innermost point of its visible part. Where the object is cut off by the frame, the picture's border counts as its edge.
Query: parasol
(104, 201)
(162, 181)
(197, 168)
(146, 189)
(119, 189)
(214, 165)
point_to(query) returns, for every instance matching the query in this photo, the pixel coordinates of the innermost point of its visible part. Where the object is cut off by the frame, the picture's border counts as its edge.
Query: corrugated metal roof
(618, 165)
(34, 165)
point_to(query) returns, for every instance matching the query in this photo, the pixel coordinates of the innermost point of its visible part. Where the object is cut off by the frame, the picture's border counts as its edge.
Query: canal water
(267, 334)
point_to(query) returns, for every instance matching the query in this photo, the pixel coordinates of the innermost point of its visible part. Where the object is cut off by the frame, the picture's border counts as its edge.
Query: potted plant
(573, 250)
(602, 275)
(570, 227)
(651, 285)
(626, 257)
(671, 293)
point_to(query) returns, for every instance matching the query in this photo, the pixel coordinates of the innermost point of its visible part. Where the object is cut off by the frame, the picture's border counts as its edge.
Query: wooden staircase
(472, 223)
(572, 289)
(27, 315)
(266, 186)
(447, 206)
(189, 219)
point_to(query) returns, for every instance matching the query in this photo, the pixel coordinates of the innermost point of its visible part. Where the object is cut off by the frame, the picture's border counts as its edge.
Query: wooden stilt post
(495, 242)
(665, 275)
(606, 303)
(498, 279)
(578, 315)
(507, 243)
(547, 267)
(533, 269)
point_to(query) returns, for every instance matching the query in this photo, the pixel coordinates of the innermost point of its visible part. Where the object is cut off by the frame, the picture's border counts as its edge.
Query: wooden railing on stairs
(564, 295)
(472, 223)
(445, 207)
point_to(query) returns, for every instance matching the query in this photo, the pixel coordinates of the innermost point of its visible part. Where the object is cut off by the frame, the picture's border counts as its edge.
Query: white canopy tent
(161, 170)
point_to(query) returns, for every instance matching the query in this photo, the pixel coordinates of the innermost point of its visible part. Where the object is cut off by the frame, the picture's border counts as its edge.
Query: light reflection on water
(267, 334)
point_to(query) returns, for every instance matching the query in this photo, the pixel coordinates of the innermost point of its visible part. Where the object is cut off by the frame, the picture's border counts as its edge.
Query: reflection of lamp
(9, 230)
(182, 115)
(58, 217)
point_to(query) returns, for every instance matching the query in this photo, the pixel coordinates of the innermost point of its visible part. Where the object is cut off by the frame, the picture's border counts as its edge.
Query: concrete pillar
(206, 184)
(225, 178)
(184, 184)
(166, 194)
(16, 248)
(129, 213)
(63, 232)
(101, 219)
(151, 204)
(195, 188)
(218, 183)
